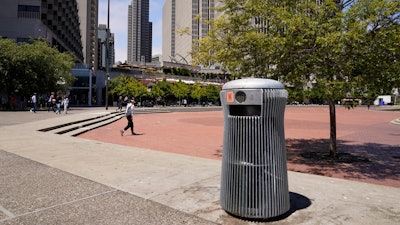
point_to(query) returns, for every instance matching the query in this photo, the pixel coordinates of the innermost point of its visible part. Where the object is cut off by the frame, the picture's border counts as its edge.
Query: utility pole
(107, 52)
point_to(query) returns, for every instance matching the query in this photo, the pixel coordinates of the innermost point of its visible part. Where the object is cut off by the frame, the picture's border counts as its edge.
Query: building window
(29, 11)
(28, 8)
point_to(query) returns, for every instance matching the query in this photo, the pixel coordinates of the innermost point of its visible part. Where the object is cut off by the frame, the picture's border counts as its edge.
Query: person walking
(130, 108)
(4, 102)
(58, 104)
(120, 101)
(12, 102)
(33, 100)
(65, 103)
(50, 102)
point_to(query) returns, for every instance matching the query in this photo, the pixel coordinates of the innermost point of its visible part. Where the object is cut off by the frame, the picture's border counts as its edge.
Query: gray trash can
(254, 180)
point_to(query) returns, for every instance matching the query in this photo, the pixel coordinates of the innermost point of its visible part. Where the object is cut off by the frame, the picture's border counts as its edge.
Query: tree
(27, 68)
(161, 90)
(8, 50)
(379, 57)
(331, 44)
(197, 91)
(212, 92)
(127, 85)
(180, 90)
(157, 93)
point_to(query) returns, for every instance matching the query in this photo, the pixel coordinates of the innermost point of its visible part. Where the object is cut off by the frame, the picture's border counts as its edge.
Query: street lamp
(91, 71)
(107, 52)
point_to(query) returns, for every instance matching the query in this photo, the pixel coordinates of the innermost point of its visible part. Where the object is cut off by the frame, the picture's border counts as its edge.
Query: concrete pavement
(47, 178)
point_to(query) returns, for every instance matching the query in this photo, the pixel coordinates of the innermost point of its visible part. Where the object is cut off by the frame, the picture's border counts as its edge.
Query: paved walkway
(47, 178)
(362, 133)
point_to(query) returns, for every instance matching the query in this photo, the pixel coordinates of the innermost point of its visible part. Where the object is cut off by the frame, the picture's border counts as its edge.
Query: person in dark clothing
(120, 101)
(51, 102)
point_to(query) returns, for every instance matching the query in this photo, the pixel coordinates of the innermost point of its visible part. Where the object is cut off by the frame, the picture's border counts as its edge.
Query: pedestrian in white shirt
(33, 100)
(65, 103)
(130, 108)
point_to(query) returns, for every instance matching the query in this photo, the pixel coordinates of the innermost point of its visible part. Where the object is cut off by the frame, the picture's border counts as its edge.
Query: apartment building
(55, 21)
(185, 22)
(88, 15)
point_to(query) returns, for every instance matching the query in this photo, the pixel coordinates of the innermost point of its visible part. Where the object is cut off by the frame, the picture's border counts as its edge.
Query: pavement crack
(9, 214)
(12, 216)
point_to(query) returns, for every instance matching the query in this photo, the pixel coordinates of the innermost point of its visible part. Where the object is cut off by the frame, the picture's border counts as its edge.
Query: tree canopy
(343, 48)
(180, 90)
(26, 68)
(127, 85)
(163, 91)
(198, 91)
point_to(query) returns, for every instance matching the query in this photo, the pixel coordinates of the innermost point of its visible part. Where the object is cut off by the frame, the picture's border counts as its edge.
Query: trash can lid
(253, 83)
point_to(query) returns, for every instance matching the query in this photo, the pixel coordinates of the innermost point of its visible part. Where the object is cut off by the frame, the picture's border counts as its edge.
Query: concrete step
(75, 128)
(95, 124)
(396, 121)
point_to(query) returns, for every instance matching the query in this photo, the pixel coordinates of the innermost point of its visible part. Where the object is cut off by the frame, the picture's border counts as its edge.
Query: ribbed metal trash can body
(254, 181)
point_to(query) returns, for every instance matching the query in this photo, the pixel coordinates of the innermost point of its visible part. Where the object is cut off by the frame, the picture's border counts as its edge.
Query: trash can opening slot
(245, 110)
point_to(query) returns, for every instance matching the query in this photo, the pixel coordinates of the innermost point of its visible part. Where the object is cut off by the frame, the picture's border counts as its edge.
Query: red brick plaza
(361, 132)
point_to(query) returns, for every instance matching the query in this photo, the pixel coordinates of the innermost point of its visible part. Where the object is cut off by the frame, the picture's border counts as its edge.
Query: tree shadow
(369, 160)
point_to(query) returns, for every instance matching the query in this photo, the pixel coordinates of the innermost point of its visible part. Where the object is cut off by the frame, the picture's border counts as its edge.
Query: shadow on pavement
(297, 202)
(368, 160)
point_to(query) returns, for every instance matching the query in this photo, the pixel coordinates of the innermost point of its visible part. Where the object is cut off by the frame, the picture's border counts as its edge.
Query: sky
(119, 24)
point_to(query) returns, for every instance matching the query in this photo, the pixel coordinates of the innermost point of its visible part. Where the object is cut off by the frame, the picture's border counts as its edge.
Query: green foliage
(156, 92)
(162, 89)
(339, 49)
(377, 62)
(27, 68)
(300, 42)
(212, 92)
(197, 91)
(127, 85)
(295, 94)
(8, 50)
(180, 89)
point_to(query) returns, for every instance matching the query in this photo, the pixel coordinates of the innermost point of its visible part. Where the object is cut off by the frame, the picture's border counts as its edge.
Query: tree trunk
(332, 117)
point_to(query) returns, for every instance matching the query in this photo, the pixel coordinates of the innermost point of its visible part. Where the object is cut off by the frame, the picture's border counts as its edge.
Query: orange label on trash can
(230, 96)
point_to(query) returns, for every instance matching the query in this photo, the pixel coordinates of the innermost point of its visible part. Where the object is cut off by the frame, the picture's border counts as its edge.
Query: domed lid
(253, 83)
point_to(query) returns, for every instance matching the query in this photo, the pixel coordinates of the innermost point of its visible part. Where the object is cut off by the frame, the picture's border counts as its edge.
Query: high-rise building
(184, 22)
(139, 32)
(102, 51)
(88, 15)
(57, 22)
